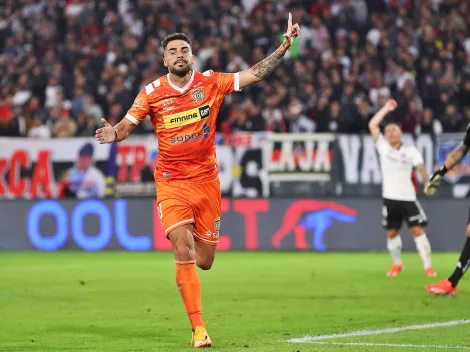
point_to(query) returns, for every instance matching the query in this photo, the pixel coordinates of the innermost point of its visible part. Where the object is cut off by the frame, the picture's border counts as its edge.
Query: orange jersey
(184, 122)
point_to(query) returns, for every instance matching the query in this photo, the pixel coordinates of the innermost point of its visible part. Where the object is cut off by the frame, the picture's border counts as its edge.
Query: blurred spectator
(412, 119)
(80, 60)
(92, 109)
(362, 118)
(272, 115)
(86, 125)
(39, 129)
(13, 127)
(451, 120)
(64, 126)
(429, 124)
(297, 121)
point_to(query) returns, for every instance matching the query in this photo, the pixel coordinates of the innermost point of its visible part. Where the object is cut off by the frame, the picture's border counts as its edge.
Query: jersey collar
(175, 87)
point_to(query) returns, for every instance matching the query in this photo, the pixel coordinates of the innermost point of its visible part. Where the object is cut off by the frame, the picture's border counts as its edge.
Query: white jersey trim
(204, 239)
(237, 82)
(174, 226)
(181, 90)
(132, 119)
(149, 89)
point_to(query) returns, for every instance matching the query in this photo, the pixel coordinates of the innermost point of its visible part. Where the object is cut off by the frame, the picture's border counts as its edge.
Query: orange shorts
(181, 203)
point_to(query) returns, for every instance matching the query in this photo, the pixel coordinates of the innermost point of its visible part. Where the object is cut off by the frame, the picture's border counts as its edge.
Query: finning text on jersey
(186, 117)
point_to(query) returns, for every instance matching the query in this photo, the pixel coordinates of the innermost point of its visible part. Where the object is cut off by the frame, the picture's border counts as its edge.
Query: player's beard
(180, 72)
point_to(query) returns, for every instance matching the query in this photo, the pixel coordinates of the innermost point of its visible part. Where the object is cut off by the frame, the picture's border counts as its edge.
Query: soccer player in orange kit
(183, 107)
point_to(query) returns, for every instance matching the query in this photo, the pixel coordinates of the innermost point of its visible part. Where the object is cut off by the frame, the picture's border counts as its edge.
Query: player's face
(178, 57)
(84, 162)
(393, 133)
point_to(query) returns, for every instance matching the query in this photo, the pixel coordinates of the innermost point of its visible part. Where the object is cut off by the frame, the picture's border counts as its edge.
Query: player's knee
(416, 231)
(183, 251)
(205, 263)
(183, 243)
(184, 254)
(392, 233)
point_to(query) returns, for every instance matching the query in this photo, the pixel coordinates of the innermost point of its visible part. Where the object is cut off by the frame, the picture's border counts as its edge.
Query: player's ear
(165, 62)
(193, 59)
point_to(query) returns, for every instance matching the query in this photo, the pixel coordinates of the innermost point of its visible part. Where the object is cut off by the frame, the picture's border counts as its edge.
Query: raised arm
(264, 68)
(374, 123)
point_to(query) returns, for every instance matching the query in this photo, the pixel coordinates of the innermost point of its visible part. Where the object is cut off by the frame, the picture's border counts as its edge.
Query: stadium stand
(66, 64)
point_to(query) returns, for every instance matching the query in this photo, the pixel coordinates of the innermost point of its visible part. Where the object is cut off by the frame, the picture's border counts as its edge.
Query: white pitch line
(372, 344)
(380, 331)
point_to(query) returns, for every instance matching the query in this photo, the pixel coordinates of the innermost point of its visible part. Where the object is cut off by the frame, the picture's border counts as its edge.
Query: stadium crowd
(66, 64)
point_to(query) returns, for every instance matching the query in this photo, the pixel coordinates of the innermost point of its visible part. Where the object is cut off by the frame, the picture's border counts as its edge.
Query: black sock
(462, 265)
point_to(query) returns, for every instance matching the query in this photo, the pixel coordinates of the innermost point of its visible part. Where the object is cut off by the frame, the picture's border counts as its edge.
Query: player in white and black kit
(399, 195)
(449, 286)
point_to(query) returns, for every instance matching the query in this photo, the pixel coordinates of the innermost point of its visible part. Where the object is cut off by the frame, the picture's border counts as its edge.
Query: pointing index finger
(289, 21)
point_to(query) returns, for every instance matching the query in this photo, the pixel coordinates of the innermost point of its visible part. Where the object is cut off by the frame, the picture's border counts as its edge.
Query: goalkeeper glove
(435, 181)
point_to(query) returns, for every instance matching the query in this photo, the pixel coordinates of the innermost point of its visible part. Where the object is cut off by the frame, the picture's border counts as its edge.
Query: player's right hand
(292, 32)
(391, 105)
(106, 134)
(433, 184)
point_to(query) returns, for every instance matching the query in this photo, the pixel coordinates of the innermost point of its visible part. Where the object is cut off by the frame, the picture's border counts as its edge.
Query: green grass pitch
(121, 301)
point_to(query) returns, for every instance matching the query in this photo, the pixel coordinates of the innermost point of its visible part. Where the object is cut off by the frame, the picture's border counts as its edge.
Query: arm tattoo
(264, 68)
(456, 155)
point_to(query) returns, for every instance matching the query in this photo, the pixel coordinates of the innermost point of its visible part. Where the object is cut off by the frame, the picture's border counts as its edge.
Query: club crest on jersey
(198, 95)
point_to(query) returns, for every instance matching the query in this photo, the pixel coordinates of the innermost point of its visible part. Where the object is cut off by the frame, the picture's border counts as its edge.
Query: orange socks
(190, 290)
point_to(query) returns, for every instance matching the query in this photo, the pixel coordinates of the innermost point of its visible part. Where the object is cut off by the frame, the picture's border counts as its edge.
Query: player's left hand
(292, 32)
(106, 134)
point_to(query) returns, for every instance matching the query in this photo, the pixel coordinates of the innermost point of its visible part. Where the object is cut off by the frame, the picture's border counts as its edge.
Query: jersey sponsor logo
(186, 117)
(168, 104)
(192, 136)
(198, 95)
(186, 138)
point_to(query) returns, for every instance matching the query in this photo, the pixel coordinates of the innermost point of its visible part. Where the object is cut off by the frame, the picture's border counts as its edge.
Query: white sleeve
(382, 145)
(417, 157)
(236, 82)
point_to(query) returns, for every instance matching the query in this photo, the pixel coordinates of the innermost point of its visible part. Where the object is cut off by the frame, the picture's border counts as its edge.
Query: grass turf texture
(121, 301)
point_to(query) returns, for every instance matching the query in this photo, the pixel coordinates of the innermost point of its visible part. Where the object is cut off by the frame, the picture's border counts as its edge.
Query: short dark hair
(391, 122)
(175, 36)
